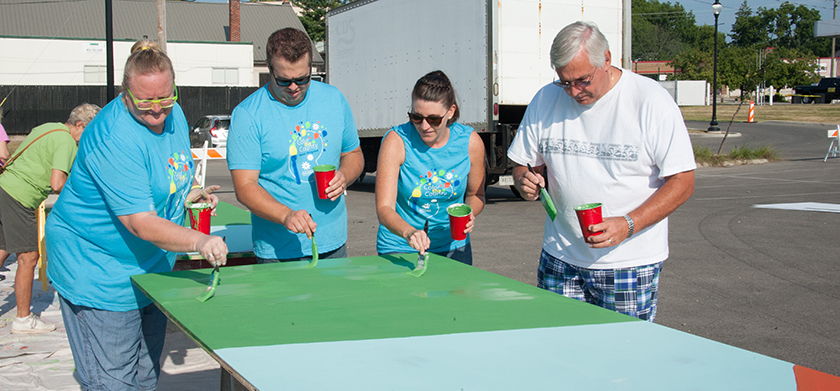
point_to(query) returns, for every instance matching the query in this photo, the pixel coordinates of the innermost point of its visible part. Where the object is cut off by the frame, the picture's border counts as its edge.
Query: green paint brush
(211, 289)
(314, 252)
(422, 259)
(548, 203)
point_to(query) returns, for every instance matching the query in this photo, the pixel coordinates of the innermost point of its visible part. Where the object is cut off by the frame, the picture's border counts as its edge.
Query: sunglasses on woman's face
(432, 120)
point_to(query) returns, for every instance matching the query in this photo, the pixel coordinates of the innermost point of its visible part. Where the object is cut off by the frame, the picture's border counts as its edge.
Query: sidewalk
(44, 362)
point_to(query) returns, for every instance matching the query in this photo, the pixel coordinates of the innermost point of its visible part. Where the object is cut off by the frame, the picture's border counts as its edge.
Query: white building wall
(36, 61)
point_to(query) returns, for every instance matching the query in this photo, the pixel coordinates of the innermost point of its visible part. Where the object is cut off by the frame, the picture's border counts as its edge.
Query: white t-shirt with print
(616, 151)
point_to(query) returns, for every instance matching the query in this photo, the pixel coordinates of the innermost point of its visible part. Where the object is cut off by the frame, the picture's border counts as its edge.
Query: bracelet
(631, 226)
(196, 187)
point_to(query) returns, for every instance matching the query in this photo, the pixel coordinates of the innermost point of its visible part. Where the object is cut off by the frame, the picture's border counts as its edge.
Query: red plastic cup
(459, 216)
(323, 175)
(200, 217)
(589, 214)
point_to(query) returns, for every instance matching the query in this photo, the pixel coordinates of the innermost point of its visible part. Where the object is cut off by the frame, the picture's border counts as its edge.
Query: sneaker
(31, 324)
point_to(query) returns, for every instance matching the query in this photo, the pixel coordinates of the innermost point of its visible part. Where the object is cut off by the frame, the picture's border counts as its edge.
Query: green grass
(813, 113)
(705, 156)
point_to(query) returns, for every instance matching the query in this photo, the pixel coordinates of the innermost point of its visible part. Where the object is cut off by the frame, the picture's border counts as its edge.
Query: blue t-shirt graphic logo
(306, 146)
(179, 169)
(433, 186)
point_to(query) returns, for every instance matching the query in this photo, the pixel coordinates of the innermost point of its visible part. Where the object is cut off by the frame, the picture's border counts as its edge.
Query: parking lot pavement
(760, 279)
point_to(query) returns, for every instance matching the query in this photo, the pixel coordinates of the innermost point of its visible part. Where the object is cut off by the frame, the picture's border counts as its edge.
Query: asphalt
(764, 280)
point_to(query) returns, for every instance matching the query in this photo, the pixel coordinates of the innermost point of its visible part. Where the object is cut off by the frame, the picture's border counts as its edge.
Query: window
(226, 76)
(94, 74)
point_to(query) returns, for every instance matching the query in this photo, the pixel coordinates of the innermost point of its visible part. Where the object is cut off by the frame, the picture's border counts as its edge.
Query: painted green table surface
(363, 323)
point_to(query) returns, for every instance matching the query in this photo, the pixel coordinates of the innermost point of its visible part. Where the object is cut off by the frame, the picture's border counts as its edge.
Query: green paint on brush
(421, 267)
(358, 298)
(314, 252)
(548, 204)
(210, 291)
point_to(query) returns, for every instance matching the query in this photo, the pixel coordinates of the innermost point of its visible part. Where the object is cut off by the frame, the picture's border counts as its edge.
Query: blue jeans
(460, 254)
(340, 252)
(115, 350)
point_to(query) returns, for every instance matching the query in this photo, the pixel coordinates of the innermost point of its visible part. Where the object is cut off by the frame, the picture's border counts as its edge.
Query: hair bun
(144, 44)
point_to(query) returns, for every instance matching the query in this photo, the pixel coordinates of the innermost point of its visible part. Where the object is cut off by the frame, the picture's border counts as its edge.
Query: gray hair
(576, 37)
(84, 113)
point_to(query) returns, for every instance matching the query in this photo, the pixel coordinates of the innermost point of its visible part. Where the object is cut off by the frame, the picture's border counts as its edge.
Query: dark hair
(436, 87)
(288, 43)
(146, 57)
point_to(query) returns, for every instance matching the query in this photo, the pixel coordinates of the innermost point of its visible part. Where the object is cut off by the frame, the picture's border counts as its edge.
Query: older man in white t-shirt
(601, 134)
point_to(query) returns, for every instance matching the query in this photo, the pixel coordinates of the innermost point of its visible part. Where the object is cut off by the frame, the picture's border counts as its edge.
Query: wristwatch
(631, 226)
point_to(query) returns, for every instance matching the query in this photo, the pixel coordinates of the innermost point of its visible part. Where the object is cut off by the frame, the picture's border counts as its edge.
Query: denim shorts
(115, 350)
(340, 252)
(630, 291)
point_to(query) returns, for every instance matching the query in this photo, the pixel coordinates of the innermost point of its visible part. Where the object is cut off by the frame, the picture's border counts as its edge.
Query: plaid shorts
(630, 291)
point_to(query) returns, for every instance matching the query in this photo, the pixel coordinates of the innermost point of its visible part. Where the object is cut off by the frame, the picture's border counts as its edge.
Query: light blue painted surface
(616, 356)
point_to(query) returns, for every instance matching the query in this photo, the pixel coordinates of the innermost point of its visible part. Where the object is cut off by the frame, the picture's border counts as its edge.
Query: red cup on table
(323, 175)
(200, 216)
(459, 216)
(589, 214)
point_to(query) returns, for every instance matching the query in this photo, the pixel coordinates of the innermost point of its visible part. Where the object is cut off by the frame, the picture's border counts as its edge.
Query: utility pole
(833, 41)
(109, 52)
(161, 23)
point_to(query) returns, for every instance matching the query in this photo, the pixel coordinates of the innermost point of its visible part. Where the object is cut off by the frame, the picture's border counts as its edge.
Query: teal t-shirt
(431, 179)
(122, 168)
(285, 143)
(27, 179)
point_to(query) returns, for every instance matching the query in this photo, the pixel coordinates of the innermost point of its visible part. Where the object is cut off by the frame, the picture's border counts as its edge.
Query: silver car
(210, 128)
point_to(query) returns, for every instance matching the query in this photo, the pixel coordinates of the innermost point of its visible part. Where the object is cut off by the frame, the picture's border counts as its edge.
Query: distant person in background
(278, 135)
(39, 167)
(4, 142)
(121, 215)
(601, 134)
(424, 166)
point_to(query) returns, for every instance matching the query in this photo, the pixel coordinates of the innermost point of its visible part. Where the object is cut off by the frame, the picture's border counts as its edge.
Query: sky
(702, 9)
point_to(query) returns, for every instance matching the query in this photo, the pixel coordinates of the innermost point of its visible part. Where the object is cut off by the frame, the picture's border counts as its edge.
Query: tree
(789, 26)
(661, 30)
(748, 29)
(314, 16)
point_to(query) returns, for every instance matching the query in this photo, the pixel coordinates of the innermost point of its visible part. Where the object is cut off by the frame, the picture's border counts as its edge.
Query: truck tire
(807, 100)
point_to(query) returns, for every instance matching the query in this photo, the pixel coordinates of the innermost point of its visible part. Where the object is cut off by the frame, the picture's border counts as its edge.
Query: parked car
(825, 91)
(212, 128)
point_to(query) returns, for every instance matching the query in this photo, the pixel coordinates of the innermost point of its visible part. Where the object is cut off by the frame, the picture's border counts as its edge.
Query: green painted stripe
(357, 299)
(226, 214)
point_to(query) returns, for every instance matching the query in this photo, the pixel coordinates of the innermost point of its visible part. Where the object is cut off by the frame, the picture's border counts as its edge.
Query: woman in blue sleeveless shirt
(424, 166)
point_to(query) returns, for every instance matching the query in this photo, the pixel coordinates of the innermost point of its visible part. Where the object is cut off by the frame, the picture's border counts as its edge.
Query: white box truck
(496, 52)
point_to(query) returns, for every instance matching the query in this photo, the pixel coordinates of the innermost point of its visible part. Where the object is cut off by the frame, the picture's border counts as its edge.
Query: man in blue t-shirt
(278, 135)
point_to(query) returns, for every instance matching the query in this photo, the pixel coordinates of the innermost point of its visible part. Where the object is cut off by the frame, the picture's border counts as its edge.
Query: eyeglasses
(283, 82)
(579, 83)
(147, 104)
(432, 120)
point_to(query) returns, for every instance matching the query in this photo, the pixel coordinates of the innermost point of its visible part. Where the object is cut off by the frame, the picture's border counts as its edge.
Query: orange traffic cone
(751, 113)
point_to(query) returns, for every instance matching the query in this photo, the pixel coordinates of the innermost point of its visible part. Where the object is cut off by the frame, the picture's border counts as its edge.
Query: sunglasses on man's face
(432, 120)
(283, 82)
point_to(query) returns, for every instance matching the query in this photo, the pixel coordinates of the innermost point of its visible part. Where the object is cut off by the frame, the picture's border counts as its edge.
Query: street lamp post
(713, 125)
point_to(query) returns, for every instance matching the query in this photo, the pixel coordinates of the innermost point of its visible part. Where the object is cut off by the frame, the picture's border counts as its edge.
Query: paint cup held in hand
(200, 216)
(589, 214)
(459, 216)
(323, 175)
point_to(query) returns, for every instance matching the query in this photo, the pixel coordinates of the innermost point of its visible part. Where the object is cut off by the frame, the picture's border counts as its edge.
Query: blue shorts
(340, 252)
(461, 254)
(115, 350)
(630, 291)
